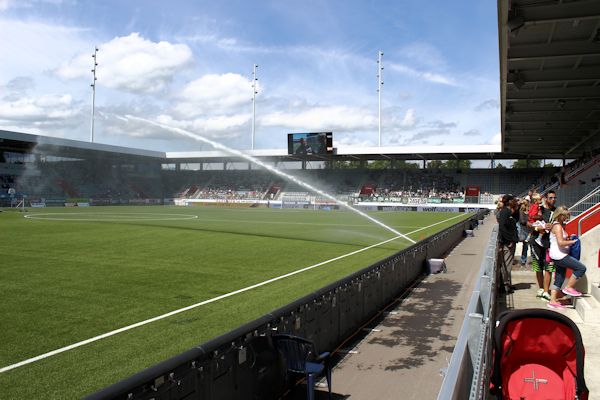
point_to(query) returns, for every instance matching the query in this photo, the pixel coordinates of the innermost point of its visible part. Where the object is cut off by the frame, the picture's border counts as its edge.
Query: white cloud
(352, 140)
(424, 54)
(341, 118)
(491, 104)
(217, 126)
(424, 75)
(496, 139)
(471, 132)
(131, 63)
(6, 4)
(43, 108)
(212, 39)
(220, 93)
(409, 120)
(30, 48)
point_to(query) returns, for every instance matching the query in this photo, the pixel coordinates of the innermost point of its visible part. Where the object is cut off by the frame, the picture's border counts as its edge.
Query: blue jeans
(524, 252)
(561, 270)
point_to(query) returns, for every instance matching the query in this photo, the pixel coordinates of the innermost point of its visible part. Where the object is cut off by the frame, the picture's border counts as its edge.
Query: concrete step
(588, 307)
(595, 292)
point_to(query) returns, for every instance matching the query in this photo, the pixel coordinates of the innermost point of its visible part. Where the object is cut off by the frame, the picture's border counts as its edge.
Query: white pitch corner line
(212, 300)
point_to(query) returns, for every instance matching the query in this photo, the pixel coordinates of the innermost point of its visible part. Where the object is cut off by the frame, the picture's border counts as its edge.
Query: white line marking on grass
(296, 223)
(169, 314)
(111, 217)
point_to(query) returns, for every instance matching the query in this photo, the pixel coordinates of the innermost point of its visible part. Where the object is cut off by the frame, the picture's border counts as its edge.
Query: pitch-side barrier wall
(244, 364)
(467, 375)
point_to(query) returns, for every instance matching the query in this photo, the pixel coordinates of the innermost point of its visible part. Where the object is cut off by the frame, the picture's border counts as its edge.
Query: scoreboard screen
(310, 143)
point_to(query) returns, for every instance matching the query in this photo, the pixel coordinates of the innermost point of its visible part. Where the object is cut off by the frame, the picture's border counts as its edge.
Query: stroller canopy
(538, 354)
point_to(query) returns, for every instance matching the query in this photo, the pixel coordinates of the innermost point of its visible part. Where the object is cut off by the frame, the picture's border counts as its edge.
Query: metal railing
(579, 223)
(467, 376)
(587, 201)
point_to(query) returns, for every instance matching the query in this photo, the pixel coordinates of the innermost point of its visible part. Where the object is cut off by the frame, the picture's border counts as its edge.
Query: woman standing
(559, 252)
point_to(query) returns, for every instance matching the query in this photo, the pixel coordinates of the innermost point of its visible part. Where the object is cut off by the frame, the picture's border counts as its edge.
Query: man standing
(548, 216)
(507, 226)
(543, 269)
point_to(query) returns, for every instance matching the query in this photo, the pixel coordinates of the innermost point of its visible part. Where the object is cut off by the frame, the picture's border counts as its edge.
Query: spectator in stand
(559, 252)
(523, 230)
(507, 223)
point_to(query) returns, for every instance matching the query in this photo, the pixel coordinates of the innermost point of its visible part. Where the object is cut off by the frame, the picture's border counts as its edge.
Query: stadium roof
(22, 142)
(349, 153)
(549, 77)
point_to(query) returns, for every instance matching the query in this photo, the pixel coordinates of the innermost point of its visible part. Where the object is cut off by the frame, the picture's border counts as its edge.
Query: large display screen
(310, 143)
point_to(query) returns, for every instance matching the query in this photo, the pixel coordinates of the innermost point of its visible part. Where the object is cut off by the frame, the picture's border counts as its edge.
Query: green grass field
(67, 275)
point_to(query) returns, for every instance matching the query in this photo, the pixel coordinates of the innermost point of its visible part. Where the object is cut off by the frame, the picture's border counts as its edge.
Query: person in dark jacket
(508, 238)
(523, 230)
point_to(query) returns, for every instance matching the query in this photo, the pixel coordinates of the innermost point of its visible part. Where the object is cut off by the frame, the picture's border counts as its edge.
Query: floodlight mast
(254, 92)
(93, 85)
(379, 85)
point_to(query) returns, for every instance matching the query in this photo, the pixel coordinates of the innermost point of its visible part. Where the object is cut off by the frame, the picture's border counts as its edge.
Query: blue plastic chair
(301, 358)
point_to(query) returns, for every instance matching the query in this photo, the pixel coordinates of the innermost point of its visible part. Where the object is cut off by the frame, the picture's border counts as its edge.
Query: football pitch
(171, 277)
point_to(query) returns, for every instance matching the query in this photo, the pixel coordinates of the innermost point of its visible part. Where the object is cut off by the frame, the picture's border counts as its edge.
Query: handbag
(575, 249)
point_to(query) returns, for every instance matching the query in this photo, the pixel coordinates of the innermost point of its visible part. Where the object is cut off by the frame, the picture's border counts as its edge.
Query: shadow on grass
(270, 236)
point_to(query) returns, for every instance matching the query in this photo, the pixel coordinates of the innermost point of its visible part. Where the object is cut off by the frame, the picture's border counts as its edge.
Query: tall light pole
(379, 85)
(254, 92)
(93, 85)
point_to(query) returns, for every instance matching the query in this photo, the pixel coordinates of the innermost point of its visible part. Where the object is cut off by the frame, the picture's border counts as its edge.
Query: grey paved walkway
(402, 357)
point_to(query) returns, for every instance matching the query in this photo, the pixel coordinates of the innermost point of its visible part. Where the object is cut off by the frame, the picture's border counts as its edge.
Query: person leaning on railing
(559, 252)
(508, 238)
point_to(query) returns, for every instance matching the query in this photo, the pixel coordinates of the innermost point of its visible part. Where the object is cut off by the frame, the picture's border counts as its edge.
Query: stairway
(588, 306)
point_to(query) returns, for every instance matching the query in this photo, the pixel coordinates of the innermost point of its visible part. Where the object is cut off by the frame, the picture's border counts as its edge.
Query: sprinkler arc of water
(274, 170)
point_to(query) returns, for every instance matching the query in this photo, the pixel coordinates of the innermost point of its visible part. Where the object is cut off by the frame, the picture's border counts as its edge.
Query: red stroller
(538, 354)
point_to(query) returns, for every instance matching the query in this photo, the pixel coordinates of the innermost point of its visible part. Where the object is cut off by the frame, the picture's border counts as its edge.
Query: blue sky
(189, 64)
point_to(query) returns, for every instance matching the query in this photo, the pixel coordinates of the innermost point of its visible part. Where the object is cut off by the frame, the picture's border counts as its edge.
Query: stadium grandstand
(50, 171)
(389, 326)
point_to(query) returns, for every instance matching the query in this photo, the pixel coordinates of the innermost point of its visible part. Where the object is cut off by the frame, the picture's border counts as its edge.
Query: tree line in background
(433, 164)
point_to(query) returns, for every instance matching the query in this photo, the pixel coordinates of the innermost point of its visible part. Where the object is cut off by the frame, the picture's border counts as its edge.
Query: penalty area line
(212, 300)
